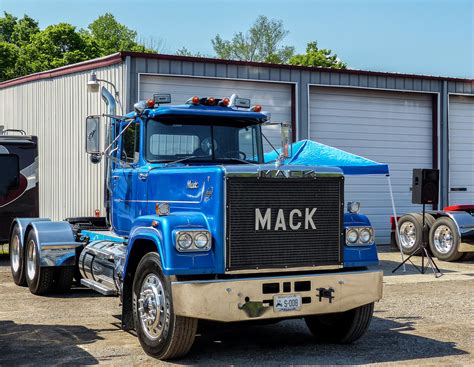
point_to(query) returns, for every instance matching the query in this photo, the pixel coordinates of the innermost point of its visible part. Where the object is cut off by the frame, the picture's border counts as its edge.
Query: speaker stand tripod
(423, 250)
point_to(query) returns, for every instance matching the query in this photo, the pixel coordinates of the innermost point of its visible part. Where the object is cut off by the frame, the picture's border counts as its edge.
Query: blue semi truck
(198, 227)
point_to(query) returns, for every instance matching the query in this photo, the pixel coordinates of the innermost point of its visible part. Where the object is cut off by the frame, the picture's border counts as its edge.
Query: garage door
(461, 150)
(273, 97)
(389, 127)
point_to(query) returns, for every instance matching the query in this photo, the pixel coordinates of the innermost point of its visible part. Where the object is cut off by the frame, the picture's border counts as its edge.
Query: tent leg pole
(396, 221)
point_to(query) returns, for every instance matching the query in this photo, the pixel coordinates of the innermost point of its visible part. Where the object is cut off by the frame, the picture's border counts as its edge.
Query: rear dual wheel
(17, 262)
(445, 240)
(410, 228)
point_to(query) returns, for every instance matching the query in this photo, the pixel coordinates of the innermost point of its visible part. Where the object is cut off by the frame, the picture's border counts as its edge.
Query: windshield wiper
(236, 160)
(185, 159)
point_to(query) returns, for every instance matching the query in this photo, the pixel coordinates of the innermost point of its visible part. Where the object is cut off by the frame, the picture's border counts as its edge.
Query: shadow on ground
(289, 342)
(45, 344)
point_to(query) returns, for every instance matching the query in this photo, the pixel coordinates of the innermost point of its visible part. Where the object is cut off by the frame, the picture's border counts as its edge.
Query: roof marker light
(195, 100)
(211, 101)
(225, 101)
(150, 103)
(256, 108)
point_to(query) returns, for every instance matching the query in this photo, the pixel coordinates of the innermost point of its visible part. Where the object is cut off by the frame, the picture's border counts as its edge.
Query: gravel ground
(420, 321)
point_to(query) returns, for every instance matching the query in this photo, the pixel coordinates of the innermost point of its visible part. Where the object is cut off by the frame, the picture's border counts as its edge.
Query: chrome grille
(249, 247)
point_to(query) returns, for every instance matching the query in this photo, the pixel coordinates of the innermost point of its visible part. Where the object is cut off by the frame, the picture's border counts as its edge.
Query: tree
(7, 25)
(262, 42)
(8, 58)
(183, 51)
(315, 56)
(55, 46)
(23, 30)
(111, 36)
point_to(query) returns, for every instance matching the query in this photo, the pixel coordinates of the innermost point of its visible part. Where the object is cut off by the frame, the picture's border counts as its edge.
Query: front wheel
(444, 240)
(162, 334)
(342, 327)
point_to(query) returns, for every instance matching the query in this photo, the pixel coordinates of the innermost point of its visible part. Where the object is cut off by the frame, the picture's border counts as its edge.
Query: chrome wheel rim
(407, 235)
(153, 307)
(31, 260)
(443, 239)
(15, 255)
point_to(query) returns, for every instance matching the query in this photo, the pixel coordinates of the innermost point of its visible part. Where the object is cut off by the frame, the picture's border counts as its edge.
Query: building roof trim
(120, 56)
(65, 70)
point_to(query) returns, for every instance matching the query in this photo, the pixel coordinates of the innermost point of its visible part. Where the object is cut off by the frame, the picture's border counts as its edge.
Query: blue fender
(161, 231)
(359, 256)
(56, 244)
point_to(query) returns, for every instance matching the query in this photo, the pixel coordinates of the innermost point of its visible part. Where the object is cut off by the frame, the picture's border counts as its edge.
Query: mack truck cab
(200, 227)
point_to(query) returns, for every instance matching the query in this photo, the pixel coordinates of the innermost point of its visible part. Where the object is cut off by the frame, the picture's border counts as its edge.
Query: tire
(63, 277)
(177, 333)
(411, 228)
(444, 240)
(17, 257)
(343, 327)
(39, 279)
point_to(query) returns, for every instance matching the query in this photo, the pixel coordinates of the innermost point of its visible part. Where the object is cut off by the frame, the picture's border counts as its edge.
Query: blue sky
(419, 36)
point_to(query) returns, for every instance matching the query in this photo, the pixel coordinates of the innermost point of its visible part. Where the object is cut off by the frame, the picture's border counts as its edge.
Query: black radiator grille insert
(249, 246)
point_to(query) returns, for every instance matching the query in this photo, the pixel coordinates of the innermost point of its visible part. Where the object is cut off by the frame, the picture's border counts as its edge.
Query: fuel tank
(101, 265)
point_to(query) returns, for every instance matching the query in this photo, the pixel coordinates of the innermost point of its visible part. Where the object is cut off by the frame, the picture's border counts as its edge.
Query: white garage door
(461, 150)
(389, 127)
(273, 97)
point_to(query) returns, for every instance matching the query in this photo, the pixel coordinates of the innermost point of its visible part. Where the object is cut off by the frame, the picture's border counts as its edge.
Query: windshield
(198, 141)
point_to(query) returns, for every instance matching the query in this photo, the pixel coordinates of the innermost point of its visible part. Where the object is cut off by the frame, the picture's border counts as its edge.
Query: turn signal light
(225, 101)
(195, 100)
(150, 103)
(257, 108)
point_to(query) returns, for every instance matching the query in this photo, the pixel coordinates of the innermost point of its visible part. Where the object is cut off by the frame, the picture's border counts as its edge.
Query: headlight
(365, 235)
(193, 240)
(185, 241)
(359, 236)
(353, 207)
(352, 236)
(201, 240)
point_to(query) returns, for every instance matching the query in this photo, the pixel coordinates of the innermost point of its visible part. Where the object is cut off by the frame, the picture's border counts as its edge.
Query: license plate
(287, 303)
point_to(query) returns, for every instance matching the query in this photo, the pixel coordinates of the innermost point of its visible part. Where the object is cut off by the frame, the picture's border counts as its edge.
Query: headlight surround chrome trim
(194, 234)
(360, 231)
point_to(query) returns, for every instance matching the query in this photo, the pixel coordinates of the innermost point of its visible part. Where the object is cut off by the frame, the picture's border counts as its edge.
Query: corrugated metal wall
(55, 110)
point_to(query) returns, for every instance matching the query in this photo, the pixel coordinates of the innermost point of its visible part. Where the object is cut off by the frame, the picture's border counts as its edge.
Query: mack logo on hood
(284, 220)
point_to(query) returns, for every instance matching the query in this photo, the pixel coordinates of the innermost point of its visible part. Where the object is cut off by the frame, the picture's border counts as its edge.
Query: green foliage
(262, 42)
(8, 57)
(315, 56)
(111, 36)
(183, 51)
(25, 49)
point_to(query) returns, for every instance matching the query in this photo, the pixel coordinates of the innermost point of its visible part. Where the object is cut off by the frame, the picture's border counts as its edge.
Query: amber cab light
(195, 100)
(211, 101)
(150, 103)
(257, 108)
(225, 101)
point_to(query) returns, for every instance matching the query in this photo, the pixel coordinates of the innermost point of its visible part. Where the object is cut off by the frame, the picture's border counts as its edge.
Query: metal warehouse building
(407, 121)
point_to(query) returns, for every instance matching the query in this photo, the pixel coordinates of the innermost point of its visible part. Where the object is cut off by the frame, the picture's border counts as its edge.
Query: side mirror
(93, 135)
(286, 140)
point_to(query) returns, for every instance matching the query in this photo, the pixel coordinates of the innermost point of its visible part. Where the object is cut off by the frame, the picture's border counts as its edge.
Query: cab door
(125, 179)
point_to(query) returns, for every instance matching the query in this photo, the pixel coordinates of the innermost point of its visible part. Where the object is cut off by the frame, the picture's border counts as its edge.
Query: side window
(247, 142)
(131, 144)
(10, 177)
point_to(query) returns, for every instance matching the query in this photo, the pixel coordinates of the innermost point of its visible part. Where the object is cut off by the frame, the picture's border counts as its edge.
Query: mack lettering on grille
(284, 220)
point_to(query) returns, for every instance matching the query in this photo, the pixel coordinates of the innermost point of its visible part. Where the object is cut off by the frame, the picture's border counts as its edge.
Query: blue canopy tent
(311, 153)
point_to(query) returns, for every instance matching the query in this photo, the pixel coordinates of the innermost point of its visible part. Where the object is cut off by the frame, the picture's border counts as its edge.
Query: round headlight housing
(352, 236)
(365, 235)
(185, 241)
(201, 240)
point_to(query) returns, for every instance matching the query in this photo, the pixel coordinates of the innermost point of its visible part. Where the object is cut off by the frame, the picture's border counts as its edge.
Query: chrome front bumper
(243, 299)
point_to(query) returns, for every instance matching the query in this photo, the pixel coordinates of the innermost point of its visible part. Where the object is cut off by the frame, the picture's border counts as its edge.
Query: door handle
(115, 178)
(142, 176)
